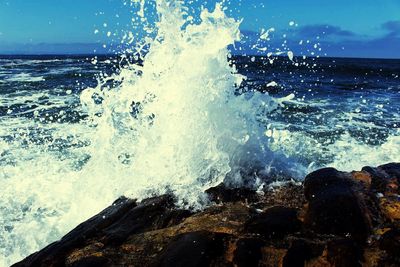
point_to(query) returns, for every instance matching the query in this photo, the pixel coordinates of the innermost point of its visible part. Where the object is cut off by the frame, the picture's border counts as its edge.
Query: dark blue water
(336, 95)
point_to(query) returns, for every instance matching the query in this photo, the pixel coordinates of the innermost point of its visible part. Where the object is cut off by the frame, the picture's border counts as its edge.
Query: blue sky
(359, 28)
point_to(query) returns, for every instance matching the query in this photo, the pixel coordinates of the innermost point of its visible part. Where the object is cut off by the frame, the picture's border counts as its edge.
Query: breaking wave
(171, 120)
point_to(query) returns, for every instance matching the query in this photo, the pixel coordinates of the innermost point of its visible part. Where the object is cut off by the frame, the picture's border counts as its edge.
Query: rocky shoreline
(332, 219)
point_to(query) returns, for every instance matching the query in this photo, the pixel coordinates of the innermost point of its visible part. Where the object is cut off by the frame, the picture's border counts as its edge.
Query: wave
(24, 77)
(170, 121)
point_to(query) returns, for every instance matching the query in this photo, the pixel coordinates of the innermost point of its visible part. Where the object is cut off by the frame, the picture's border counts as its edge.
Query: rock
(344, 252)
(392, 169)
(324, 180)
(276, 222)
(193, 249)
(153, 213)
(338, 252)
(375, 257)
(385, 178)
(390, 206)
(379, 179)
(301, 251)
(53, 254)
(248, 252)
(336, 205)
(113, 225)
(390, 242)
(92, 262)
(272, 256)
(223, 194)
(290, 195)
(363, 177)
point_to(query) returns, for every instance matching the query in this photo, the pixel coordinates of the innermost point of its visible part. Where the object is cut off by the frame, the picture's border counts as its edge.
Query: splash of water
(173, 124)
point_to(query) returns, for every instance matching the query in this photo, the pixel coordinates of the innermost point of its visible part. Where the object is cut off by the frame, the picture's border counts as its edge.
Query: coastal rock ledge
(332, 219)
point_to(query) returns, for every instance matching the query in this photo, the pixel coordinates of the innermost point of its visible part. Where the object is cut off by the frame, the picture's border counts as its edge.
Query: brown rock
(390, 242)
(336, 205)
(152, 213)
(290, 195)
(55, 253)
(363, 177)
(344, 252)
(385, 178)
(390, 207)
(193, 249)
(272, 256)
(392, 169)
(301, 251)
(223, 194)
(276, 222)
(92, 261)
(248, 252)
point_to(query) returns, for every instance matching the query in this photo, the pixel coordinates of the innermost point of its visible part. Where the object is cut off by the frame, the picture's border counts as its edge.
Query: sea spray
(174, 123)
(162, 127)
(169, 124)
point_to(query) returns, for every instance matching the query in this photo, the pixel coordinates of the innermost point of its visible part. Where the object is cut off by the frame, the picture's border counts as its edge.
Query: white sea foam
(347, 149)
(24, 77)
(59, 71)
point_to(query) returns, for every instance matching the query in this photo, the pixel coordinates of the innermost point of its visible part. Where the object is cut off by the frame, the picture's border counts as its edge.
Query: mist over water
(179, 115)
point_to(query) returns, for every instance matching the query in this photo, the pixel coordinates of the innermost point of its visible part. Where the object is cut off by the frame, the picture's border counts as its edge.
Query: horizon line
(242, 55)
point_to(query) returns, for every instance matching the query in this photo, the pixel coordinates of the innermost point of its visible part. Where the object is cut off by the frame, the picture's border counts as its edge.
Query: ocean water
(76, 132)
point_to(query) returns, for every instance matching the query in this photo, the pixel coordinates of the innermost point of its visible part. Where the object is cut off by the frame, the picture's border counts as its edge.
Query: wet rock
(223, 194)
(275, 222)
(344, 252)
(339, 252)
(392, 169)
(390, 242)
(248, 252)
(272, 256)
(316, 183)
(153, 213)
(390, 207)
(112, 226)
(54, 254)
(193, 249)
(335, 205)
(385, 178)
(379, 179)
(301, 251)
(289, 195)
(92, 262)
(363, 177)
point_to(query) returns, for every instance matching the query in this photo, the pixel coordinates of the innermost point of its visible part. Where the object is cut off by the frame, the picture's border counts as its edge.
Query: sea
(78, 131)
(342, 112)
